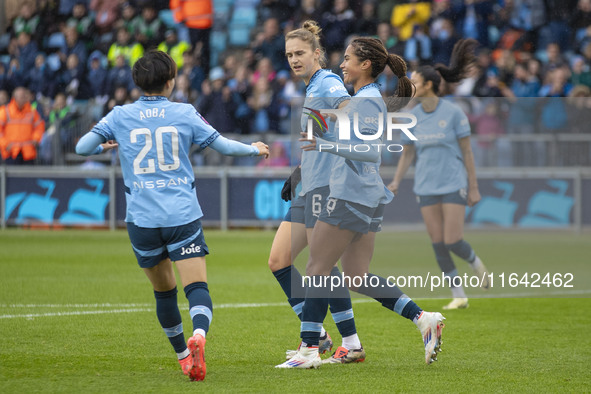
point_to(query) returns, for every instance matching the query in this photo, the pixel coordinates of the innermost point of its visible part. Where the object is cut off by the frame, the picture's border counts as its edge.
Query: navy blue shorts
(152, 245)
(457, 197)
(315, 203)
(352, 216)
(295, 214)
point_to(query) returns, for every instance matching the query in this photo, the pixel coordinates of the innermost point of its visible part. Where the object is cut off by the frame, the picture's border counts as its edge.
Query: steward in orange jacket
(21, 128)
(195, 14)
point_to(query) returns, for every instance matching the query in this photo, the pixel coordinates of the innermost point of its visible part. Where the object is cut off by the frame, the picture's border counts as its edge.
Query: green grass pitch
(77, 315)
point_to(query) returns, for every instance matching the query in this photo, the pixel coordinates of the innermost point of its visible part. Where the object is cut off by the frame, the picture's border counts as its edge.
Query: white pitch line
(133, 308)
(107, 305)
(75, 313)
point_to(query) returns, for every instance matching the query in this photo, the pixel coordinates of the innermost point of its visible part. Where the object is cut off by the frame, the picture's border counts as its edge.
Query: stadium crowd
(74, 58)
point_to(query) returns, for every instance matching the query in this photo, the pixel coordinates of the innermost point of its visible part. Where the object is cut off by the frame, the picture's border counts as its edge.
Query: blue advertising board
(76, 200)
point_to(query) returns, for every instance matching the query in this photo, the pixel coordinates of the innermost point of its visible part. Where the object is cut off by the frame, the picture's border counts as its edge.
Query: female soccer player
(324, 90)
(154, 137)
(445, 178)
(351, 217)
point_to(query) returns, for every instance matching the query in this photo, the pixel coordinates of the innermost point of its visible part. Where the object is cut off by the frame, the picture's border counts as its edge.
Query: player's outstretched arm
(408, 155)
(473, 192)
(93, 144)
(234, 148)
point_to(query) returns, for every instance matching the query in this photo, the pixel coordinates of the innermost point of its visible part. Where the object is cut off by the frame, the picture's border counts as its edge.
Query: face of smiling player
(355, 72)
(302, 59)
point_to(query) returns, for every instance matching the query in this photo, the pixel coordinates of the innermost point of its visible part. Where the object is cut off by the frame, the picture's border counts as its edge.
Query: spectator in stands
(417, 49)
(66, 7)
(580, 20)
(217, 103)
(492, 85)
(82, 22)
(488, 126)
(241, 90)
(148, 28)
(15, 75)
(28, 21)
(337, 24)
(264, 70)
(554, 58)
(4, 97)
(107, 13)
(388, 82)
(192, 70)
(74, 46)
(556, 84)
(472, 19)
(580, 72)
(283, 101)
(119, 97)
(264, 105)
(197, 15)
(125, 46)
(443, 39)
(4, 83)
(367, 24)
(534, 67)
(128, 14)
(522, 115)
(270, 43)
(119, 75)
(504, 65)
(27, 51)
(393, 44)
(308, 10)
(71, 80)
(175, 48)
(279, 9)
(528, 16)
(230, 66)
(62, 118)
(182, 92)
(21, 129)
(407, 16)
(96, 76)
(40, 79)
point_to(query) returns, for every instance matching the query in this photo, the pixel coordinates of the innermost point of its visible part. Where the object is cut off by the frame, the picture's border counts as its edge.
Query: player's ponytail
(462, 56)
(372, 49)
(405, 89)
(310, 33)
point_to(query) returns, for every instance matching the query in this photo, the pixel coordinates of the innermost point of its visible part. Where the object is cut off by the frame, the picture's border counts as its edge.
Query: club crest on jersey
(442, 123)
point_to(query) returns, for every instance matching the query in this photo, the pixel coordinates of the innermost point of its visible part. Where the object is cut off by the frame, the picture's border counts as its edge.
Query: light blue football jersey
(325, 91)
(359, 181)
(439, 165)
(154, 137)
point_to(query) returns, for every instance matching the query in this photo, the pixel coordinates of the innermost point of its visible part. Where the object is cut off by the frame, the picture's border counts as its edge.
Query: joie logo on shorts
(463, 193)
(190, 250)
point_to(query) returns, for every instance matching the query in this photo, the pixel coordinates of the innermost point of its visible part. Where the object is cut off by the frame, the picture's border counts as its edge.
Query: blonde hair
(310, 33)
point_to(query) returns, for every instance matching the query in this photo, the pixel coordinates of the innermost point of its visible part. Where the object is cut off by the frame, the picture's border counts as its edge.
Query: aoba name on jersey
(152, 113)
(160, 183)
